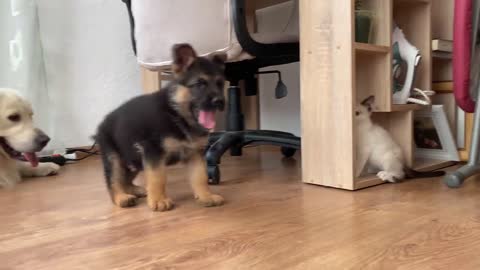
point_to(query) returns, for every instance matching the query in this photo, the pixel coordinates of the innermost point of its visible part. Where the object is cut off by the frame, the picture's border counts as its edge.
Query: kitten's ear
(368, 102)
(183, 56)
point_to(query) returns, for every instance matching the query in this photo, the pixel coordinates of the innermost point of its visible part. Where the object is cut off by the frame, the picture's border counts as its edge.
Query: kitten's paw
(386, 176)
(47, 169)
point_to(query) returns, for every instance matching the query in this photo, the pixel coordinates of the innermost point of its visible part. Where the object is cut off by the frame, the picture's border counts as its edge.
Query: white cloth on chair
(205, 24)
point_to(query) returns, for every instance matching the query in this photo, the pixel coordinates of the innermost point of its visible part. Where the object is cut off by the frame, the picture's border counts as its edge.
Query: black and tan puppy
(154, 131)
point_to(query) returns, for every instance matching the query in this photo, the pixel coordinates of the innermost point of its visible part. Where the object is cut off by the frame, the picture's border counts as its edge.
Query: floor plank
(271, 221)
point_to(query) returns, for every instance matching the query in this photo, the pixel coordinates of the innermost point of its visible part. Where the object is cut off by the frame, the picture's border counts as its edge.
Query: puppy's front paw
(47, 169)
(160, 204)
(210, 200)
(386, 176)
(125, 200)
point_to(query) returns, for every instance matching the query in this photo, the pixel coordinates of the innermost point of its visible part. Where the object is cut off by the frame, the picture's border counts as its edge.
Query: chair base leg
(236, 151)
(220, 142)
(213, 174)
(456, 178)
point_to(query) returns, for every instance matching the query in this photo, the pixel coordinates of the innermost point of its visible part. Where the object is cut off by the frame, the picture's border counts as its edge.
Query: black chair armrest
(251, 46)
(128, 3)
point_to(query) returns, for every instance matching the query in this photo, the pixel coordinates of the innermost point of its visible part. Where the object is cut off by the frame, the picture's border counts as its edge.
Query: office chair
(466, 74)
(212, 26)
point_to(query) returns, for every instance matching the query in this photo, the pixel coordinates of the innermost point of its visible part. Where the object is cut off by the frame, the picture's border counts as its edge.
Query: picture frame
(433, 137)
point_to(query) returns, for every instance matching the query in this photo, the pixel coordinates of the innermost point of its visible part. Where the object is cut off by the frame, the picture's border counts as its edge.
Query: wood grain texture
(382, 23)
(151, 80)
(270, 221)
(408, 107)
(250, 108)
(326, 80)
(373, 76)
(442, 28)
(464, 153)
(442, 19)
(442, 71)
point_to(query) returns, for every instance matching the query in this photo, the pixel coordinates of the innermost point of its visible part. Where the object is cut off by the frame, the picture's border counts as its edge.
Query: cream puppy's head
(18, 133)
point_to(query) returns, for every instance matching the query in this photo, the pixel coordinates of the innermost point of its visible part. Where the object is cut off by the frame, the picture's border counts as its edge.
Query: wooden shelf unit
(371, 48)
(349, 71)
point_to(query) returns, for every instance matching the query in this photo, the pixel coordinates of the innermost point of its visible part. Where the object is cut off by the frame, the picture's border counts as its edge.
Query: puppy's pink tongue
(32, 158)
(207, 119)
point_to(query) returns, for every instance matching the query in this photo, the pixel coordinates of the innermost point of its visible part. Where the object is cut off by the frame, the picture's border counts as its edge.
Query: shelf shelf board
(443, 87)
(371, 48)
(408, 107)
(447, 56)
(367, 181)
(420, 164)
(432, 164)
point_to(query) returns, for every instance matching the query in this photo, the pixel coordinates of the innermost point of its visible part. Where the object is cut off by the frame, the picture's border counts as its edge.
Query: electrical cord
(90, 152)
(73, 150)
(96, 153)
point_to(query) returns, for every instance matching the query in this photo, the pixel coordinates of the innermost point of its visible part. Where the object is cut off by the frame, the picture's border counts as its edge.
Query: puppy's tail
(411, 173)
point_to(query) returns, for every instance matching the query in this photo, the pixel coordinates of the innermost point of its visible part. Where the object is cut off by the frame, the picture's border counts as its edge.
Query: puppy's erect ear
(183, 56)
(368, 102)
(218, 58)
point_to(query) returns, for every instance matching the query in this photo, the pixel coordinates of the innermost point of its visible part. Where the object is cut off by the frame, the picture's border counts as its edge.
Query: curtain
(22, 63)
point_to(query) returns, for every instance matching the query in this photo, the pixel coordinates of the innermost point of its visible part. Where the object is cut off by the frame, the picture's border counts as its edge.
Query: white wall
(91, 68)
(89, 62)
(21, 57)
(280, 114)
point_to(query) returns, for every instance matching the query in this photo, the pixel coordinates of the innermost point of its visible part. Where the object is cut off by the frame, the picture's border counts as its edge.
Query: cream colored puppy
(18, 136)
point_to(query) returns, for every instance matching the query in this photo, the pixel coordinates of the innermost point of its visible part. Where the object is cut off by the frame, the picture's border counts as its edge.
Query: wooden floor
(271, 221)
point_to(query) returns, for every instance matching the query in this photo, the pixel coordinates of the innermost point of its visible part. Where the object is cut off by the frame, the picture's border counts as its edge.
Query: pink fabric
(462, 40)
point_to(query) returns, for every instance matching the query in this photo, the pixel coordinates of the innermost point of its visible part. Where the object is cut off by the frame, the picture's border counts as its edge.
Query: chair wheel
(288, 152)
(213, 175)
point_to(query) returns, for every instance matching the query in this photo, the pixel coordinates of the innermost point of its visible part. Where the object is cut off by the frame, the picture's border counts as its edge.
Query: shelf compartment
(370, 180)
(414, 18)
(382, 23)
(373, 76)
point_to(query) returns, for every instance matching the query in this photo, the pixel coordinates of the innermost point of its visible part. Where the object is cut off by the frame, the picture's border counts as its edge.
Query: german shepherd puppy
(151, 132)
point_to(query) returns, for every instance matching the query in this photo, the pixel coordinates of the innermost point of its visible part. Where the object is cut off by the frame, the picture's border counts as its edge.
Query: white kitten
(377, 149)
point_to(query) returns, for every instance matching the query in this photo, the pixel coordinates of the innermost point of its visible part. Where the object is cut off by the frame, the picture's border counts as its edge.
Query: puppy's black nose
(42, 140)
